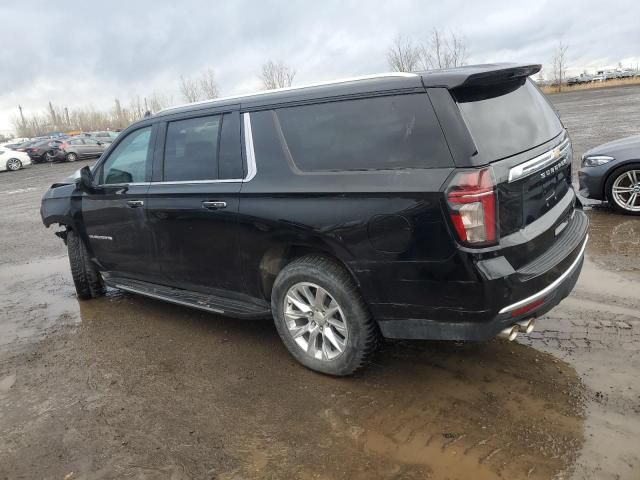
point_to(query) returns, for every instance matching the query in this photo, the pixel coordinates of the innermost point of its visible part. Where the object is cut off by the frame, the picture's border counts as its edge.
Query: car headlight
(595, 160)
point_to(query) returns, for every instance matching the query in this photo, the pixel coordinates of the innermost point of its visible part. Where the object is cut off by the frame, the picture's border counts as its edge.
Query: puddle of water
(36, 297)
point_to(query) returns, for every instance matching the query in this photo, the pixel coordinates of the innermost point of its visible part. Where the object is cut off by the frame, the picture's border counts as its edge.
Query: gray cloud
(77, 52)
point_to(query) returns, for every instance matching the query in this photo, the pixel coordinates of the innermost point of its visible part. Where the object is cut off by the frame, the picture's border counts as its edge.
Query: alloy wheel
(71, 157)
(14, 164)
(626, 191)
(315, 321)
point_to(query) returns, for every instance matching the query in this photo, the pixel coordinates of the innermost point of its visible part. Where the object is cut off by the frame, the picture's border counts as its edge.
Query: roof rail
(287, 89)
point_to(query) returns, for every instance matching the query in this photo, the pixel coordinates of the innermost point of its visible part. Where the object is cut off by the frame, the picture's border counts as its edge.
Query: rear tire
(344, 341)
(86, 277)
(623, 189)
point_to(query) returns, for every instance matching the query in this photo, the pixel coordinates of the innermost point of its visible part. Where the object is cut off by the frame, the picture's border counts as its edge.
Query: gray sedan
(612, 172)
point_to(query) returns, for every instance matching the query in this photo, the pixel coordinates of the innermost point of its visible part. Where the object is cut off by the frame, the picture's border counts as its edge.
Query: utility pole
(66, 114)
(21, 115)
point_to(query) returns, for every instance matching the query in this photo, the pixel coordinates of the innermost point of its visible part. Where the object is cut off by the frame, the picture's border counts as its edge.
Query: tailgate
(532, 188)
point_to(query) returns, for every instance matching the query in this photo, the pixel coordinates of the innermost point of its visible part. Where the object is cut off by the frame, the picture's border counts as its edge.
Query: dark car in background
(80, 147)
(43, 150)
(435, 205)
(24, 145)
(611, 172)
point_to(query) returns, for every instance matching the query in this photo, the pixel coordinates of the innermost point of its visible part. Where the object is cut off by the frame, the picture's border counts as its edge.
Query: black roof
(396, 81)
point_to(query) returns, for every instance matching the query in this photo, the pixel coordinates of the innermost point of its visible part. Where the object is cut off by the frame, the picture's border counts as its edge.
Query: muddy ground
(127, 387)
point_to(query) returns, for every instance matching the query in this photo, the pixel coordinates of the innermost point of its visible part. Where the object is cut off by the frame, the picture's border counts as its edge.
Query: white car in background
(12, 160)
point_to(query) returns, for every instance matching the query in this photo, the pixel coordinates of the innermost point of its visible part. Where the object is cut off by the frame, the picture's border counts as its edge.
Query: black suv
(435, 205)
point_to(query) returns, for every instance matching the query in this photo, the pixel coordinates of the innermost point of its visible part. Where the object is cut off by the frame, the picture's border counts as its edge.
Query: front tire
(86, 277)
(71, 157)
(623, 189)
(322, 318)
(14, 164)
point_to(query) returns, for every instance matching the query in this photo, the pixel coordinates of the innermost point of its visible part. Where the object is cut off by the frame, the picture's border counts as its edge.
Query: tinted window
(191, 149)
(127, 163)
(76, 141)
(368, 134)
(507, 119)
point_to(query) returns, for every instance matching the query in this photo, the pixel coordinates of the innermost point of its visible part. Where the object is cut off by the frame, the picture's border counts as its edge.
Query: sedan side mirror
(86, 181)
(99, 142)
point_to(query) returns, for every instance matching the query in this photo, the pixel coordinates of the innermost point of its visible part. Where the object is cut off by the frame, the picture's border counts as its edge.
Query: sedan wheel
(315, 321)
(71, 157)
(14, 164)
(625, 191)
(49, 157)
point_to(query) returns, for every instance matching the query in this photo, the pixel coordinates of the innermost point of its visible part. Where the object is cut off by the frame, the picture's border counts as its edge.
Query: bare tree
(156, 102)
(560, 64)
(444, 51)
(404, 55)
(276, 75)
(196, 89)
(189, 89)
(440, 51)
(208, 85)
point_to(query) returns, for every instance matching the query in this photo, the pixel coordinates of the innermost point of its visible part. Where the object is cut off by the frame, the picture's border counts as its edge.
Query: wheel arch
(278, 257)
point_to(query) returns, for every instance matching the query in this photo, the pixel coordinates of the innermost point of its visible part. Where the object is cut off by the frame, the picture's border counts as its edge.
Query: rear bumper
(495, 296)
(550, 296)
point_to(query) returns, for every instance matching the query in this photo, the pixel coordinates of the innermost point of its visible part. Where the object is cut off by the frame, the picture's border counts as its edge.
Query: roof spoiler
(491, 77)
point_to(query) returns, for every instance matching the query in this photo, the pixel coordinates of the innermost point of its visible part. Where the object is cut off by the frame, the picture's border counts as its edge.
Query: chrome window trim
(248, 147)
(252, 169)
(549, 287)
(132, 184)
(539, 163)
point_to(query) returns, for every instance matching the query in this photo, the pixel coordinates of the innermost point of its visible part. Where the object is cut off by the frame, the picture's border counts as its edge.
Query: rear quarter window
(380, 133)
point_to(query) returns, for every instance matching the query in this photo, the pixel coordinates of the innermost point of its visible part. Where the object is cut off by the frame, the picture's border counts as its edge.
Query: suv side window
(127, 162)
(191, 149)
(379, 133)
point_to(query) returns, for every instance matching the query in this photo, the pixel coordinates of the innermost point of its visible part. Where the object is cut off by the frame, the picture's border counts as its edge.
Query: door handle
(213, 205)
(135, 203)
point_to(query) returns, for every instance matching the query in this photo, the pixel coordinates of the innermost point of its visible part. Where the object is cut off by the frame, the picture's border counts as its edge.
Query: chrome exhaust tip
(527, 326)
(510, 333)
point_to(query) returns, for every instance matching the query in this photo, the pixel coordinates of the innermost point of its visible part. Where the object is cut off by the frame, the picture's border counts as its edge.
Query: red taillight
(472, 202)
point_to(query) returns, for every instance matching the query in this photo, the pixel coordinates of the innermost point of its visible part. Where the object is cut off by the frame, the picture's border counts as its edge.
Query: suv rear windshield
(507, 119)
(380, 133)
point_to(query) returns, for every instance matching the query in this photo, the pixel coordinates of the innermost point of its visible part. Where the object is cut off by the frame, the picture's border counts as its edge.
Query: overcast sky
(82, 52)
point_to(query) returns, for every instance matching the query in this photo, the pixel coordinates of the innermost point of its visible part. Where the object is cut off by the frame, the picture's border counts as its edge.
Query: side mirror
(99, 142)
(86, 181)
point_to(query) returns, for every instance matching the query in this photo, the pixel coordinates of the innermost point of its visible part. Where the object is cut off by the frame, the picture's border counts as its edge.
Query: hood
(623, 148)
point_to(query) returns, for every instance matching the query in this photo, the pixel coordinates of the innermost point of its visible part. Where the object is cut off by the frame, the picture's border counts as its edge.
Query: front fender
(59, 205)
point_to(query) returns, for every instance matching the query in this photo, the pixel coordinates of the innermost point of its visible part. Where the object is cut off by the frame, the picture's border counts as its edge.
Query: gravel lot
(128, 387)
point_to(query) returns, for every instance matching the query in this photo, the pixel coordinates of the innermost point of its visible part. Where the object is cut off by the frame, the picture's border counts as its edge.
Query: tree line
(200, 87)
